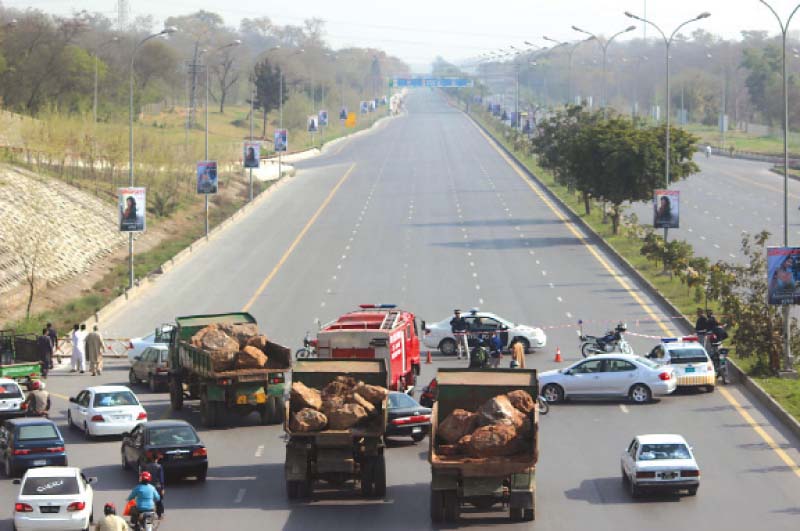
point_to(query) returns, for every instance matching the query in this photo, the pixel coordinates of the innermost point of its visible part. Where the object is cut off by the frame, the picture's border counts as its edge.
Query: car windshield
(37, 431)
(52, 486)
(647, 363)
(653, 452)
(115, 398)
(401, 400)
(10, 390)
(172, 435)
(687, 355)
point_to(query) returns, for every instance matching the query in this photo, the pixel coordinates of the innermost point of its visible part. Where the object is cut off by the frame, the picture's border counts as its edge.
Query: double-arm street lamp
(166, 31)
(788, 365)
(604, 47)
(571, 47)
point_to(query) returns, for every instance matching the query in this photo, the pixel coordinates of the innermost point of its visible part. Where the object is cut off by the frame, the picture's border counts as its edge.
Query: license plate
(689, 369)
(178, 456)
(40, 462)
(418, 429)
(668, 475)
(121, 417)
(49, 509)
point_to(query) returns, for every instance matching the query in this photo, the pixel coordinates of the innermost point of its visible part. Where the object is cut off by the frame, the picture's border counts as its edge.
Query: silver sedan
(609, 376)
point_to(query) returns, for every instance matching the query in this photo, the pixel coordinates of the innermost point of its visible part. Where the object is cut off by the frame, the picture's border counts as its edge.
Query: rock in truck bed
(342, 404)
(240, 348)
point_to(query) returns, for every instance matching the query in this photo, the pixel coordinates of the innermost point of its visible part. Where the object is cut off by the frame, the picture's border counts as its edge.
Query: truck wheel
(367, 475)
(515, 514)
(437, 506)
(208, 412)
(450, 506)
(379, 477)
(292, 489)
(151, 383)
(132, 379)
(280, 409)
(175, 394)
(527, 515)
(306, 488)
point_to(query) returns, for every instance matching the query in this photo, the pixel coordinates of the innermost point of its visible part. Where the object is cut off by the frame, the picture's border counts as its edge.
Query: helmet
(621, 327)
(145, 476)
(109, 508)
(35, 384)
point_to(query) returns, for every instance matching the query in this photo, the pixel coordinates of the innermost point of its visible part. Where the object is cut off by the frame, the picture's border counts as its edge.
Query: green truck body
(482, 482)
(337, 456)
(12, 364)
(240, 391)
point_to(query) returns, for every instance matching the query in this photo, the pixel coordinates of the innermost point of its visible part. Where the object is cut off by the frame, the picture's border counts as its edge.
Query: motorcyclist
(701, 326)
(38, 401)
(110, 521)
(478, 355)
(146, 497)
(458, 326)
(157, 474)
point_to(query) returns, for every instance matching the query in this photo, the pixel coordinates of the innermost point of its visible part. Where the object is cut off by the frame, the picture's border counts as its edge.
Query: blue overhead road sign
(441, 82)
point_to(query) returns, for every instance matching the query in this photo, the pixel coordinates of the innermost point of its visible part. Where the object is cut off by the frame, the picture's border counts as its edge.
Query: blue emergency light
(381, 306)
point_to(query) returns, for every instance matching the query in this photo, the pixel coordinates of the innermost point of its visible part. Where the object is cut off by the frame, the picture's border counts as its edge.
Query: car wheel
(447, 347)
(132, 377)
(417, 437)
(640, 394)
(635, 491)
(711, 388)
(151, 383)
(553, 393)
(125, 464)
(201, 475)
(70, 424)
(86, 432)
(624, 476)
(9, 469)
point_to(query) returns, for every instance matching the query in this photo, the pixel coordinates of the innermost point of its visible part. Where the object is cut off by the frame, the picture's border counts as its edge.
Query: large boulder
(216, 339)
(336, 388)
(197, 338)
(457, 424)
(361, 401)
(302, 397)
(348, 381)
(260, 342)
(307, 420)
(240, 332)
(492, 441)
(250, 358)
(374, 394)
(222, 361)
(346, 417)
(498, 410)
(522, 400)
(331, 403)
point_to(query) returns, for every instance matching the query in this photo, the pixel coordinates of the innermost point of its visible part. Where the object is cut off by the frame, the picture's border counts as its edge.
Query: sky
(419, 30)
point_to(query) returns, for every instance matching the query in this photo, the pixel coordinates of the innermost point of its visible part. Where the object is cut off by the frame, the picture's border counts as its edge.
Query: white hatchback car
(12, 399)
(54, 497)
(439, 335)
(609, 376)
(659, 462)
(105, 410)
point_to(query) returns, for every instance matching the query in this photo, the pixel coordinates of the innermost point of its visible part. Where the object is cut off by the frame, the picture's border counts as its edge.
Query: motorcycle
(429, 393)
(309, 349)
(612, 341)
(147, 522)
(544, 407)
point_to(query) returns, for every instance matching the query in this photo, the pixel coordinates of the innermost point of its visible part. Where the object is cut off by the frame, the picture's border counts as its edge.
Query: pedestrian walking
(94, 351)
(518, 354)
(53, 335)
(458, 326)
(82, 349)
(44, 349)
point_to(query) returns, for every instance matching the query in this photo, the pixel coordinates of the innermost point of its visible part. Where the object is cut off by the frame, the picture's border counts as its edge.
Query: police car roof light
(669, 339)
(367, 306)
(690, 339)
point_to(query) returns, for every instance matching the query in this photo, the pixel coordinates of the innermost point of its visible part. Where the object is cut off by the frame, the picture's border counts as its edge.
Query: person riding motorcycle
(38, 401)
(157, 480)
(146, 497)
(110, 521)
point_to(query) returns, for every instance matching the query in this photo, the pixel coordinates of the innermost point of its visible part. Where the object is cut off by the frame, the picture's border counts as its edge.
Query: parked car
(660, 462)
(693, 366)
(54, 497)
(12, 399)
(151, 367)
(406, 417)
(137, 345)
(609, 376)
(439, 336)
(105, 410)
(30, 442)
(175, 441)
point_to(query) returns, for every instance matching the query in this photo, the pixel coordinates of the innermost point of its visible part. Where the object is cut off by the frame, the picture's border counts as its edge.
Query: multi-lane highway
(426, 212)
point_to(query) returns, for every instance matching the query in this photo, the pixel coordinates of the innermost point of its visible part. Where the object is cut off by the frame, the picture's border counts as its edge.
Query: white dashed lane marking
(624, 408)
(260, 450)
(240, 496)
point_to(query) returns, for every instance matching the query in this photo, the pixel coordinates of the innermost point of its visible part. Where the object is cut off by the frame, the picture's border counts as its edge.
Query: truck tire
(175, 394)
(528, 515)
(379, 477)
(208, 412)
(451, 508)
(280, 409)
(292, 489)
(515, 514)
(367, 475)
(437, 506)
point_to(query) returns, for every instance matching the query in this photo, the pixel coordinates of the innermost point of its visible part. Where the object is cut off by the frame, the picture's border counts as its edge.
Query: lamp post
(94, 103)
(166, 31)
(788, 365)
(280, 105)
(604, 47)
(570, 52)
(667, 44)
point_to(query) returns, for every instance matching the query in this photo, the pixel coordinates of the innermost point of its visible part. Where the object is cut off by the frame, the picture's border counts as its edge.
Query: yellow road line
(571, 226)
(297, 240)
(760, 431)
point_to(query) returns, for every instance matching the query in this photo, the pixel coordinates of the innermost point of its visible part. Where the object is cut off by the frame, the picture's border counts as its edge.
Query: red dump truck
(376, 331)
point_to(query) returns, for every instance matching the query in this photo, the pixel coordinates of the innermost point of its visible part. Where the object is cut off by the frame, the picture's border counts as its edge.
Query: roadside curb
(769, 403)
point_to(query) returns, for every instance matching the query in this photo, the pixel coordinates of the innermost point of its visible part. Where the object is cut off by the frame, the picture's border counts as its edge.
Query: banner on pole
(207, 177)
(281, 140)
(132, 209)
(252, 154)
(783, 270)
(666, 209)
(312, 124)
(351, 120)
(323, 118)
(343, 114)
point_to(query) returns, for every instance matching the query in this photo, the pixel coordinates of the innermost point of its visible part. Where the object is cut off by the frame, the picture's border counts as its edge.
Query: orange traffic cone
(558, 355)
(428, 360)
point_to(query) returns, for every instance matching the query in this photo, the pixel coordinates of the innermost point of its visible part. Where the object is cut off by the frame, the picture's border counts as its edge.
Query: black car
(407, 418)
(175, 441)
(30, 442)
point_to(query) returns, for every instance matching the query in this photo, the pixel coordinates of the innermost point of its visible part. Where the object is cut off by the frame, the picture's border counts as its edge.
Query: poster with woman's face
(364, 107)
(323, 118)
(131, 209)
(666, 209)
(281, 140)
(252, 154)
(783, 270)
(207, 177)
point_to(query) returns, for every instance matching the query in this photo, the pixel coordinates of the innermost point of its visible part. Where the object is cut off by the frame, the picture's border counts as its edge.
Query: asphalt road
(426, 213)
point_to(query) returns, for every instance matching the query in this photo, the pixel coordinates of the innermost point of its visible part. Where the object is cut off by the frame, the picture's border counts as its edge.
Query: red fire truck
(376, 331)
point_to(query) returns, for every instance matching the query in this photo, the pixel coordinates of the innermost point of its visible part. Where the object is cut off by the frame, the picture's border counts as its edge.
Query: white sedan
(659, 462)
(439, 335)
(54, 497)
(137, 345)
(105, 410)
(609, 376)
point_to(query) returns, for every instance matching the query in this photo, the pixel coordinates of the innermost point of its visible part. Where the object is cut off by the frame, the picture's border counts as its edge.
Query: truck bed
(483, 466)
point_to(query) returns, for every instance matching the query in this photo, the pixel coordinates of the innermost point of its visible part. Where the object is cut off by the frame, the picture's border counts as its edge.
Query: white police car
(691, 362)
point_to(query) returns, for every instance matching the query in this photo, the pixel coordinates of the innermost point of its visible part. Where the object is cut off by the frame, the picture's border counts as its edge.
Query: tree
(226, 76)
(268, 79)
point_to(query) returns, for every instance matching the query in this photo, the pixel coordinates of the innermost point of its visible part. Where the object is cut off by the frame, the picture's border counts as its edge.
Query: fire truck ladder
(390, 320)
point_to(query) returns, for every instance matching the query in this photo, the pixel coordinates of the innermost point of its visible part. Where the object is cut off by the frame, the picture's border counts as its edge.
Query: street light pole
(165, 31)
(788, 362)
(604, 47)
(570, 52)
